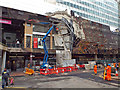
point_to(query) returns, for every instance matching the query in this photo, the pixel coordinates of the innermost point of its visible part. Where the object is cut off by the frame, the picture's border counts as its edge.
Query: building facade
(101, 11)
(21, 34)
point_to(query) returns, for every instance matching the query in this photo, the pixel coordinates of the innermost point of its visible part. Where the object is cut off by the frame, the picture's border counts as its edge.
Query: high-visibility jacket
(104, 73)
(95, 69)
(5, 74)
(108, 73)
(119, 65)
(114, 64)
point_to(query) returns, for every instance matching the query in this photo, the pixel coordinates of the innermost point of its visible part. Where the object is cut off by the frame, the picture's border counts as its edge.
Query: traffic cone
(56, 71)
(62, 70)
(45, 72)
(104, 77)
(116, 72)
(70, 70)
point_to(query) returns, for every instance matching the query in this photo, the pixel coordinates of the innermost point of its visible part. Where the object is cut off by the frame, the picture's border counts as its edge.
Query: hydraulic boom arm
(45, 48)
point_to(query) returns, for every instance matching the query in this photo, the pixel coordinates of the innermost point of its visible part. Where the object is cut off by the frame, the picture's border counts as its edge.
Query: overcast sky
(35, 6)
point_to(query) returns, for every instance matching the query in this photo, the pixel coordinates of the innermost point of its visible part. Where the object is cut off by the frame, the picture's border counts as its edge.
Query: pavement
(13, 74)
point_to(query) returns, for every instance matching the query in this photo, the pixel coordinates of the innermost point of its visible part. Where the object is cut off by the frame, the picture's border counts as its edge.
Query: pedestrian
(108, 72)
(18, 43)
(11, 81)
(5, 76)
(95, 69)
(117, 66)
(28, 65)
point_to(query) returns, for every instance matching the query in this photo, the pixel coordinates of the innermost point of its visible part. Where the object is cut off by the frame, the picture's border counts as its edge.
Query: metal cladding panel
(62, 58)
(58, 40)
(70, 62)
(63, 31)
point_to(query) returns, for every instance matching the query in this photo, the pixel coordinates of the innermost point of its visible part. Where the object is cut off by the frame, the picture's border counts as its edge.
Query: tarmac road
(78, 79)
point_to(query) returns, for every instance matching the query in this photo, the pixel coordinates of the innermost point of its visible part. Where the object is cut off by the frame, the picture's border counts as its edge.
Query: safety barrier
(116, 72)
(44, 71)
(58, 70)
(29, 71)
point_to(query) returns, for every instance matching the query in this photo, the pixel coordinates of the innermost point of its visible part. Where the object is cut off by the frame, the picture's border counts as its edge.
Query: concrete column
(31, 36)
(31, 42)
(24, 41)
(25, 35)
(0, 61)
(51, 39)
(96, 57)
(0, 40)
(4, 60)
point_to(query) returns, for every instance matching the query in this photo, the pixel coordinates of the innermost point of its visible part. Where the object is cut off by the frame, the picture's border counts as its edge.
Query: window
(71, 5)
(8, 37)
(75, 6)
(67, 3)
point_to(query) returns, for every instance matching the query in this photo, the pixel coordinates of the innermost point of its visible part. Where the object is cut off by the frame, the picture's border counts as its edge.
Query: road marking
(91, 79)
(85, 71)
(15, 87)
(116, 84)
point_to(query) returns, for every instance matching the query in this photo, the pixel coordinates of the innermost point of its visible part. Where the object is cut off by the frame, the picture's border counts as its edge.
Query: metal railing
(14, 45)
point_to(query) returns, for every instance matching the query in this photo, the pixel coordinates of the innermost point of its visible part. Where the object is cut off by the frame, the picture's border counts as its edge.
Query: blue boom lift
(45, 64)
(71, 30)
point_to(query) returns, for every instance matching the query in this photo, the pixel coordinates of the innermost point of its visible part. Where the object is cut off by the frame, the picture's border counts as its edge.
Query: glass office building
(101, 11)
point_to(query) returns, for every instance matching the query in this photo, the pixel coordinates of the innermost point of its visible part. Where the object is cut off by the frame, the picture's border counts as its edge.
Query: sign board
(5, 21)
(35, 42)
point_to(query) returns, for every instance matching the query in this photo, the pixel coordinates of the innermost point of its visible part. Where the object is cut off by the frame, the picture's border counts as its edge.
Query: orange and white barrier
(58, 70)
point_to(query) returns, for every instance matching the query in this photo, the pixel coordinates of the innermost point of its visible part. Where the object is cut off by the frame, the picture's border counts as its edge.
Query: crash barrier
(29, 71)
(58, 70)
(81, 66)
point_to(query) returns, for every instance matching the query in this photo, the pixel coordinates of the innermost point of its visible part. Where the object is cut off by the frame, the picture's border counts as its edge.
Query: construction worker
(28, 65)
(5, 76)
(95, 69)
(119, 65)
(114, 64)
(108, 72)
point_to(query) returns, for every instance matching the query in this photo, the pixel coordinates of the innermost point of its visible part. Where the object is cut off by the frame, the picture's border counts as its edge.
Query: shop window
(28, 41)
(8, 38)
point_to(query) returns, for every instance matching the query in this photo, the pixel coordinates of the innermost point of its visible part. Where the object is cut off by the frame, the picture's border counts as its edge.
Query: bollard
(104, 73)
(56, 71)
(0, 78)
(116, 72)
(45, 72)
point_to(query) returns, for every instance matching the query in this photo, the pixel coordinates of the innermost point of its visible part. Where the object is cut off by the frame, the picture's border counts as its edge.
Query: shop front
(15, 63)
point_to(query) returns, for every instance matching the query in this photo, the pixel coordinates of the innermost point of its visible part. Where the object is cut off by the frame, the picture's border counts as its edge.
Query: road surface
(78, 79)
